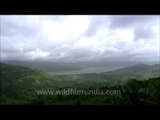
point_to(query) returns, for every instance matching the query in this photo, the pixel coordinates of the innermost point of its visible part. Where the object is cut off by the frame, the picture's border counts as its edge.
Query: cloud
(74, 38)
(125, 21)
(142, 24)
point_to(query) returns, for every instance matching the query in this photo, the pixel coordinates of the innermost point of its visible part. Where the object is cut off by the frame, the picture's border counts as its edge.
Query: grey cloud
(9, 50)
(13, 55)
(15, 47)
(80, 53)
(130, 21)
(138, 23)
(12, 28)
(96, 23)
(144, 33)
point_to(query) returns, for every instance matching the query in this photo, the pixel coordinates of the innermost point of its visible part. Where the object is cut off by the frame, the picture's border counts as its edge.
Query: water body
(86, 70)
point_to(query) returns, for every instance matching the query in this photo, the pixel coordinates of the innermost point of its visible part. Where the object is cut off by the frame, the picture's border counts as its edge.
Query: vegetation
(19, 85)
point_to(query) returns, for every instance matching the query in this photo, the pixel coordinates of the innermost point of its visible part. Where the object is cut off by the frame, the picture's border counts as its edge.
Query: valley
(19, 85)
(111, 60)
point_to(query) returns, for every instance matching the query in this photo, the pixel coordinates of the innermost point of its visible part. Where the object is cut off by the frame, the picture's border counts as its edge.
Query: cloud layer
(74, 38)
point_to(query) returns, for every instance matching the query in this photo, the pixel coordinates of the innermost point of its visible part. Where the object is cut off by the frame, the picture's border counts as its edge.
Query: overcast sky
(80, 38)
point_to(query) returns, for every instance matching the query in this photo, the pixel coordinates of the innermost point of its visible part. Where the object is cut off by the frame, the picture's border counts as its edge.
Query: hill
(18, 84)
(119, 76)
(138, 71)
(45, 66)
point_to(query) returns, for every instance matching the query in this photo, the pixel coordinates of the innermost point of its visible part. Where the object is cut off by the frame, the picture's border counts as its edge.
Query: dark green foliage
(154, 89)
(141, 92)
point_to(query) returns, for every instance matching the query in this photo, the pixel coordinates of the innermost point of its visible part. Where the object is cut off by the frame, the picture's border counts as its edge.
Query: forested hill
(19, 86)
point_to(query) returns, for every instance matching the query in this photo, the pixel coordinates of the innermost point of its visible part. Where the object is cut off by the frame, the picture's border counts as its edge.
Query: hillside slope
(19, 84)
(138, 71)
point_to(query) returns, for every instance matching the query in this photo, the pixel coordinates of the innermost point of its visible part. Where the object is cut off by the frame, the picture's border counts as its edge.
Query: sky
(77, 38)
